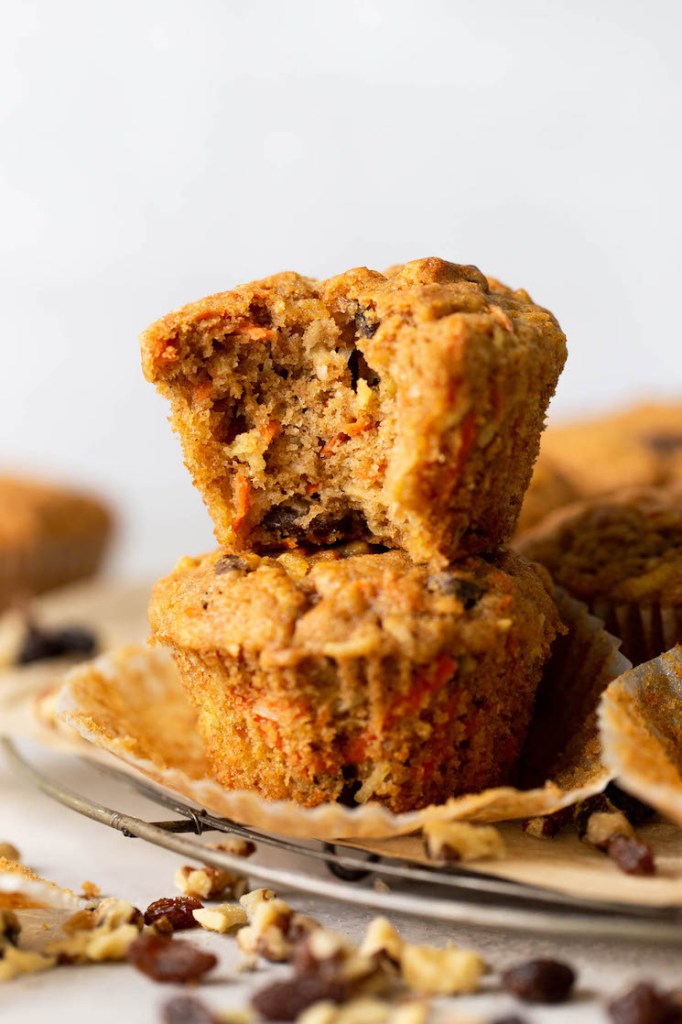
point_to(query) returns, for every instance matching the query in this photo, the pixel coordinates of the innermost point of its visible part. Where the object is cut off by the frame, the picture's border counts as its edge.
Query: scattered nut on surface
(10, 852)
(235, 846)
(267, 933)
(207, 882)
(90, 890)
(94, 945)
(112, 913)
(382, 937)
(603, 826)
(20, 961)
(443, 972)
(546, 826)
(221, 918)
(250, 900)
(460, 841)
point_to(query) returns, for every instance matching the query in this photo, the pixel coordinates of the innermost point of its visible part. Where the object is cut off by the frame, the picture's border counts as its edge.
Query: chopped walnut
(235, 846)
(267, 933)
(382, 937)
(603, 826)
(112, 913)
(20, 961)
(546, 826)
(443, 972)
(81, 921)
(458, 840)
(328, 954)
(207, 882)
(221, 918)
(90, 890)
(251, 900)
(10, 852)
(95, 945)
(365, 1010)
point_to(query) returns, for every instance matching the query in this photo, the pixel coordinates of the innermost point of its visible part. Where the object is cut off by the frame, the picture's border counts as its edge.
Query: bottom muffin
(349, 674)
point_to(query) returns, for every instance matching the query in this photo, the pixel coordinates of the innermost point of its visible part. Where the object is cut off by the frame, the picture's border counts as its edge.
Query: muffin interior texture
(368, 406)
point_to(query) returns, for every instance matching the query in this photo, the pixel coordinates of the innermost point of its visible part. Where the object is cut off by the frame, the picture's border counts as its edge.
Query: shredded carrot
(255, 333)
(242, 501)
(349, 430)
(202, 390)
(311, 488)
(270, 430)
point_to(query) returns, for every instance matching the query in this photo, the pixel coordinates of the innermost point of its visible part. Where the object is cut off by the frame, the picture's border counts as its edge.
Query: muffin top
(626, 547)
(32, 509)
(410, 295)
(351, 602)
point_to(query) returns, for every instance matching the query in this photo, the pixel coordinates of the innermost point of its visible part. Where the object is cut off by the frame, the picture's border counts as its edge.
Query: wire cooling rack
(440, 893)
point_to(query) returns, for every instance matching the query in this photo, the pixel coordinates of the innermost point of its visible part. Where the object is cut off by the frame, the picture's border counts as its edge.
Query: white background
(153, 151)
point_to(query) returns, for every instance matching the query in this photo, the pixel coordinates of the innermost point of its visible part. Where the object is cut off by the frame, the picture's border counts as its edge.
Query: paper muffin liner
(646, 630)
(641, 726)
(22, 889)
(131, 703)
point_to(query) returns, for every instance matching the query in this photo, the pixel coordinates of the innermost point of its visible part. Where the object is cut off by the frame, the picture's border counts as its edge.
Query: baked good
(637, 446)
(403, 408)
(49, 536)
(622, 555)
(349, 674)
(548, 490)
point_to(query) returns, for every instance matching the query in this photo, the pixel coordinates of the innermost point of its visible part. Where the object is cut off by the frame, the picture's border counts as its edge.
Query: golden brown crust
(404, 408)
(625, 547)
(639, 445)
(49, 536)
(313, 672)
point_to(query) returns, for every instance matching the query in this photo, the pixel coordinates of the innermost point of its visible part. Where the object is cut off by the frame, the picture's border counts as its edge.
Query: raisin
(634, 810)
(633, 856)
(598, 804)
(186, 1010)
(540, 981)
(286, 1000)
(644, 1004)
(229, 563)
(172, 960)
(365, 328)
(40, 643)
(466, 591)
(664, 443)
(360, 368)
(176, 909)
(283, 521)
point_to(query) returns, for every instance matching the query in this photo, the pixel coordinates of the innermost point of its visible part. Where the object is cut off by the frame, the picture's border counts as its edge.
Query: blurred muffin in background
(49, 536)
(622, 555)
(638, 446)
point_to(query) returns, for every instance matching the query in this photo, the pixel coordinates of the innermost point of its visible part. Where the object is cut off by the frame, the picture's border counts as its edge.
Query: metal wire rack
(440, 893)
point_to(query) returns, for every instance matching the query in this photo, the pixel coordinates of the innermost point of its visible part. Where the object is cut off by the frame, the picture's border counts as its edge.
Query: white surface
(69, 849)
(153, 151)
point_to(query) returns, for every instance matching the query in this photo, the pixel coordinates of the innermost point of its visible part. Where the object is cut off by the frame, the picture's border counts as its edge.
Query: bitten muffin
(350, 674)
(622, 555)
(638, 446)
(402, 408)
(49, 536)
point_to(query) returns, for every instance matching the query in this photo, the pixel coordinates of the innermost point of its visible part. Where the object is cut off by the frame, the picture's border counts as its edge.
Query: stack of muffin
(363, 445)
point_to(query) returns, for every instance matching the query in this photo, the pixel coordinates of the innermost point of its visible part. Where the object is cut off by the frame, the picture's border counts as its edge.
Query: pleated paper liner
(131, 703)
(646, 630)
(117, 613)
(641, 727)
(22, 889)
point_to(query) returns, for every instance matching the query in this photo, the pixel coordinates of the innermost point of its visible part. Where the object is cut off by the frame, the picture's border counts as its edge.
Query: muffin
(549, 489)
(351, 674)
(639, 446)
(622, 555)
(49, 536)
(402, 408)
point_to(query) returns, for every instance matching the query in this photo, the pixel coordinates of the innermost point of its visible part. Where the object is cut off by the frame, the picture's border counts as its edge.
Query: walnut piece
(443, 972)
(460, 841)
(20, 961)
(207, 882)
(221, 918)
(382, 937)
(10, 852)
